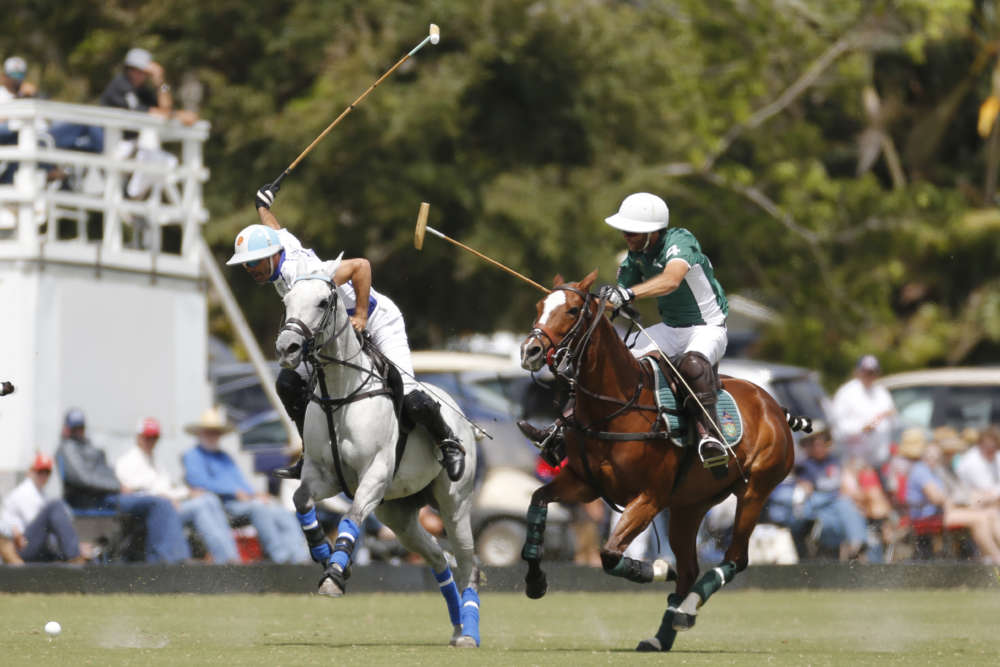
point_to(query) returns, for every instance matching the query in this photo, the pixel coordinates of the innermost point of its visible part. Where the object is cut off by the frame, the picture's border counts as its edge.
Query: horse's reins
(317, 360)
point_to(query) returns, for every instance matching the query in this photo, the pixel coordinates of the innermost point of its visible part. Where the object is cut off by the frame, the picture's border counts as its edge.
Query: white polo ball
(53, 628)
(435, 38)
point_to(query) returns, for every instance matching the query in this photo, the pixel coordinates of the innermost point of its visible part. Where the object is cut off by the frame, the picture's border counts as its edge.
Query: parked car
(506, 459)
(796, 388)
(958, 397)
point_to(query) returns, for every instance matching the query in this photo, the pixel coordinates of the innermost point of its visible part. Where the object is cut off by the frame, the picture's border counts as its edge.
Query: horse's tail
(798, 423)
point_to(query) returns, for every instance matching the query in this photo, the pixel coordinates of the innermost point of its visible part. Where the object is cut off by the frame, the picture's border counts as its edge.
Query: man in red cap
(137, 470)
(38, 529)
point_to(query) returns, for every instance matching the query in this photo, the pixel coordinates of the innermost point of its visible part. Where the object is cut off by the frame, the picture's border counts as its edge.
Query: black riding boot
(550, 441)
(704, 383)
(294, 395)
(424, 410)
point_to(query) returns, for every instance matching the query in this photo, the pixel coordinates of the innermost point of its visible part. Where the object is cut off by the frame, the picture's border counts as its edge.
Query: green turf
(736, 627)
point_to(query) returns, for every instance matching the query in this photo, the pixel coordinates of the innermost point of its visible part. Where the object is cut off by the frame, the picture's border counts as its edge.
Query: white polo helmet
(640, 213)
(255, 242)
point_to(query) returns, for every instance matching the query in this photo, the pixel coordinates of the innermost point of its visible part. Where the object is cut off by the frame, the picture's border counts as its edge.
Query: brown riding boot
(703, 382)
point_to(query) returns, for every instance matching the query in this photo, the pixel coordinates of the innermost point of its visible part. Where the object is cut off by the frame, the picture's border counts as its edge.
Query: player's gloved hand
(616, 295)
(265, 195)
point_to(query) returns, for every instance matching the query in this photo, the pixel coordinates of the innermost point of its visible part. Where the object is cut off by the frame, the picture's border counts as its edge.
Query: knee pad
(694, 365)
(419, 405)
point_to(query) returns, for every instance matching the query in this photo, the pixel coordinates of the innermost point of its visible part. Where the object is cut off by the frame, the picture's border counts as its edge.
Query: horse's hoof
(465, 641)
(683, 621)
(536, 588)
(330, 588)
(651, 645)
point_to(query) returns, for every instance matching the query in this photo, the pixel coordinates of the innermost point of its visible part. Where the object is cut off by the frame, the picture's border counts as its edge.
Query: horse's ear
(588, 281)
(558, 280)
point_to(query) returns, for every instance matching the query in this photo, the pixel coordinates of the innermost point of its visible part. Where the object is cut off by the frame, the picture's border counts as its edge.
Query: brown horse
(617, 451)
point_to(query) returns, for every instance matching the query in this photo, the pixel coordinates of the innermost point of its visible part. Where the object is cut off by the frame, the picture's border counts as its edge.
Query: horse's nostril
(534, 350)
(292, 349)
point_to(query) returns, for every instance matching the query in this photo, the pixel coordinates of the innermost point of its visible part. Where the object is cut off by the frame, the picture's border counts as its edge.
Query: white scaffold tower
(103, 278)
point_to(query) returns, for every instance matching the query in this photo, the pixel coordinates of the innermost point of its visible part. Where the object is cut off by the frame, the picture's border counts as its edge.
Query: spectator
(137, 470)
(825, 506)
(926, 497)
(979, 467)
(209, 468)
(90, 483)
(128, 89)
(6, 388)
(12, 83)
(38, 529)
(863, 415)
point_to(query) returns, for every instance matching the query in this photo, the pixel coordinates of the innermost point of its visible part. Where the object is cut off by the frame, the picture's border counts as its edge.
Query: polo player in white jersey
(271, 254)
(670, 266)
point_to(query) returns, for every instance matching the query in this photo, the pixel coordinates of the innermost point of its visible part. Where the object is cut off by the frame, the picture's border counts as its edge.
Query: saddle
(670, 395)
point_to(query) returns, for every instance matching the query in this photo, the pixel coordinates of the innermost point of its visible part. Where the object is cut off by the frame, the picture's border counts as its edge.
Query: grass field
(736, 627)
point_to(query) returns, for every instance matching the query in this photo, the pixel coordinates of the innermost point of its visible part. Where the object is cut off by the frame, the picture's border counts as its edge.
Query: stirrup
(713, 460)
(293, 471)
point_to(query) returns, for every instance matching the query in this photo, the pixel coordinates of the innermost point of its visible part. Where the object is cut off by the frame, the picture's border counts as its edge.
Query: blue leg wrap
(450, 592)
(319, 546)
(347, 535)
(470, 613)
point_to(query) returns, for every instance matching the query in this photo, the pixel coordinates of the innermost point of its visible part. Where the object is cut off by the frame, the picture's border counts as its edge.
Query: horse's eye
(574, 311)
(324, 303)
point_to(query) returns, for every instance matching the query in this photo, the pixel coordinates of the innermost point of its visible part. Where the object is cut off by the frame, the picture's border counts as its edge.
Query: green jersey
(699, 299)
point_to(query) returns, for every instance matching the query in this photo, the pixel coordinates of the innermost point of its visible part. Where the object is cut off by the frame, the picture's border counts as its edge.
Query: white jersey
(385, 321)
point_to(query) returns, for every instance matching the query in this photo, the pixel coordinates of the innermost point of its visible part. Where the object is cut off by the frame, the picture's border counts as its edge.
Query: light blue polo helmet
(255, 242)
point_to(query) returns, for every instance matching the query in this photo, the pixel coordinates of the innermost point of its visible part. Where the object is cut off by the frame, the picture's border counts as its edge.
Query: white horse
(359, 457)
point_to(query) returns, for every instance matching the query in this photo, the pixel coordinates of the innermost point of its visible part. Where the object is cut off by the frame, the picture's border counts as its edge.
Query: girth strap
(328, 411)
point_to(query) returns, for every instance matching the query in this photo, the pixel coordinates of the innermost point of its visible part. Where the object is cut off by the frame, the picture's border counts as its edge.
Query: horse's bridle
(315, 360)
(560, 357)
(312, 341)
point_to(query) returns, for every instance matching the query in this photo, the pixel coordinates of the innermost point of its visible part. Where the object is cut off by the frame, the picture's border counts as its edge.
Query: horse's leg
(636, 516)
(402, 516)
(305, 509)
(455, 504)
(566, 487)
(371, 489)
(748, 508)
(684, 525)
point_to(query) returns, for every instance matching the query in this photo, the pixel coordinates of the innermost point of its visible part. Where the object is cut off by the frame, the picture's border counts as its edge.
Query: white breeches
(707, 339)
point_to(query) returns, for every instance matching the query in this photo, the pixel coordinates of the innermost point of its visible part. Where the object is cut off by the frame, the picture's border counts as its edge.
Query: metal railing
(102, 186)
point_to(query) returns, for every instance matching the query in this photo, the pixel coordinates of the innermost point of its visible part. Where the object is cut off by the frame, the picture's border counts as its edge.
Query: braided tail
(799, 423)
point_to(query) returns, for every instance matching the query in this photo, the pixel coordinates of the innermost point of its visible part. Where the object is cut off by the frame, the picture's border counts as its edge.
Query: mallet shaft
(488, 259)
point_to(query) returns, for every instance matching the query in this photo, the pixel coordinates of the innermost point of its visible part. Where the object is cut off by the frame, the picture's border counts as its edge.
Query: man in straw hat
(37, 529)
(927, 496)
(207, 467)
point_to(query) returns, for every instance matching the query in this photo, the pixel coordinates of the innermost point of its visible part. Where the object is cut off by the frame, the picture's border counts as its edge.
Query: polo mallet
(433, 36)
(418, 243)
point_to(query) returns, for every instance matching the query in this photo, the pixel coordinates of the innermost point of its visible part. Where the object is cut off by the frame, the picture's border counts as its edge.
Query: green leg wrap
(533, 549)
(638, 571)
(714, 579)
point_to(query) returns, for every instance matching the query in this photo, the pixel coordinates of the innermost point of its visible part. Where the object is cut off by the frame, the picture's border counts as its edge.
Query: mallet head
(435, 34)
(418, 233)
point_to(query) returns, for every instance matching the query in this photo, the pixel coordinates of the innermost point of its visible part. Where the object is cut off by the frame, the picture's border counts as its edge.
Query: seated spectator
(137, 470)
(926, 497)
(979, 468)
(38, 530)
(12, 83)
(209, 468)
(128, 89)
(90, 483)
(836, 522)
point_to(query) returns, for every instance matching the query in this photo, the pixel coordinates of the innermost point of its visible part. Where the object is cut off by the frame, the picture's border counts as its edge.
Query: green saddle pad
(730, 420)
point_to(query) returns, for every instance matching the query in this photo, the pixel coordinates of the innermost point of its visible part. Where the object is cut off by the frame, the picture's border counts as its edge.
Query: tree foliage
(825, 154)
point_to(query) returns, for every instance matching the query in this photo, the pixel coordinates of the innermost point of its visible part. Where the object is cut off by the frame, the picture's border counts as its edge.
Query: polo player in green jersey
(668, 264)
